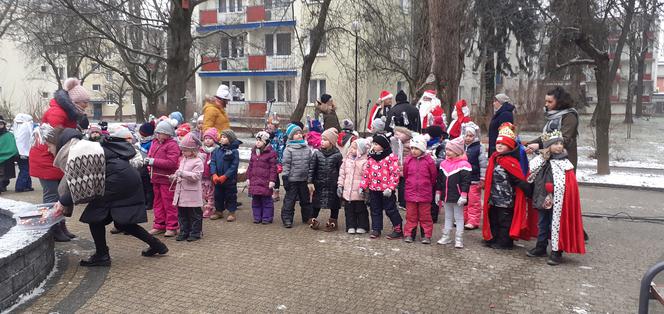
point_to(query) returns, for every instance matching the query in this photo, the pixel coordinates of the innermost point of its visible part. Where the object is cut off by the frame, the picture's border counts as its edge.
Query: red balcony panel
(210, 63)
(255, 13)
(207, 17)
(613, 98)
(650, 35)
(612, 55)
(257, 62)
(645, 98)
(257, 109)
(648, 55)
(647, 77)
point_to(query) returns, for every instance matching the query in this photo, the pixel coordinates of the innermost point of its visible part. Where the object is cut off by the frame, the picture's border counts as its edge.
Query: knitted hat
(378, 125)
(455, 146)
(506, 135)
(291, 130)
(94, 128)
(263, 137)
(419, 142)
(401, 97)
(385, 95)
(146, 129)
(223, 92)
(381, 140)
(77, 93)
(177, 116)
(164, 127)
(403, 130)
(190, 141)
(183, 130)
(211, 133)
(502, 98)
(230, 135)
(346, 124)
(549, 139)
(325, 98)
(471, 127)
(331, 135)
(200, 119)
(120, 132)
(362, 146)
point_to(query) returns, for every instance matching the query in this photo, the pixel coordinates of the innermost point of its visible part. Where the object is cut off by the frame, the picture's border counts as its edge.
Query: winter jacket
(396, 115)
(261, 171)
(278, 142)
(502, 115)
(420, 174)
(381, 175)
(568, 125)
(225, 161)
(215, 117)
(330, 119)
(123, 196)
(454, 179)
(477, 160)
(503, 183)
(324, 174)
(296, 162)
(187, 181)
(350, 176)
(166, 156)
(206, 157)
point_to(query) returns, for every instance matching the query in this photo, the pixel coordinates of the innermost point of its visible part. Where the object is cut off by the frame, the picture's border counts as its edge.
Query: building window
(232, 47)
(283, 90)
(109, 75)
(96, 87)
(61, 71)
(405, 6)
(44, 95)
(269, 44)
(473, 95)
(95, 67)
(44, 68)
(284, 44)
(236, 88)
(269, 4)
(230, 6)
(316, 88)
(462, 92)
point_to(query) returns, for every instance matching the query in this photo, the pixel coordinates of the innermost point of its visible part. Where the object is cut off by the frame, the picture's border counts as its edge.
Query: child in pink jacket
(419, 172)
(381, 177)
(348, 187)
(188, 196)
(210, 138)
(163, 161)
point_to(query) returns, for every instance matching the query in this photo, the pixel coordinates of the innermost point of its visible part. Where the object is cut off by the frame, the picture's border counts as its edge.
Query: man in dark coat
(403, 114)
(123, 201)
(504, 113)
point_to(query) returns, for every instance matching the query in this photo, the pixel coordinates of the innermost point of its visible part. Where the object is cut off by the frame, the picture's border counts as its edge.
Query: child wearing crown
(507, 215)
(556, 197)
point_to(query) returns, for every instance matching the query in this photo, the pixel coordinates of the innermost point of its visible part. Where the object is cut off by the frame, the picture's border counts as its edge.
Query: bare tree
(118, 88)
(646, 21)
(10, 14)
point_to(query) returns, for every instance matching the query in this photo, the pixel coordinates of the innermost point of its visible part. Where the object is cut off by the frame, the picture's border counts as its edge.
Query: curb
(620, 186)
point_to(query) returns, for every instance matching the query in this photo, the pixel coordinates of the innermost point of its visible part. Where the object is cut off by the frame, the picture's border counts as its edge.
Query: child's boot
(555, 258)
(217, 215)
(446, 239)
(458, 238)
(538, 251)
(231, 217)
(397, 233)
(313, 223)
(331, 225)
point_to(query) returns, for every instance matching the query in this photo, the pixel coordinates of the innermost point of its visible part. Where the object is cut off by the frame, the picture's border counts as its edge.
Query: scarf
(7, 147)
(210, 149)
(296, 142)
(554, 119)
(380, 156)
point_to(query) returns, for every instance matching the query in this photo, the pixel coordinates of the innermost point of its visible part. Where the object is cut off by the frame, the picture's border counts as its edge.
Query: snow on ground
(16, 238)
(589, 175)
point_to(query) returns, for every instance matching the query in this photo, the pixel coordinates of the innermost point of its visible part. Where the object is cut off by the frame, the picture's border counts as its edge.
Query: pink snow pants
(473, 212)
(208, 197)
(165, 214)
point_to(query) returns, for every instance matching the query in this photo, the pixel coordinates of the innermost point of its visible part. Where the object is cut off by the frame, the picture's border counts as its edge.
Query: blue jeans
(544, 225)
(23, 181)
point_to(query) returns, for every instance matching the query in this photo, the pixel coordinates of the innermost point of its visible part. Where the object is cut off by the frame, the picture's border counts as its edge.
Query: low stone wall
(26, 259)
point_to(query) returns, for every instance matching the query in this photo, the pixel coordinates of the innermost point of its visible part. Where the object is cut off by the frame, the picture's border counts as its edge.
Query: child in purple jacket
(261, 178)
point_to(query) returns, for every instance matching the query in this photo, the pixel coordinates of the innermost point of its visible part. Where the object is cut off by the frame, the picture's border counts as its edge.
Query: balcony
(647, 77)
(645, 98)
(253, 17)
(256, 109)
(256, 65)
(648, 55)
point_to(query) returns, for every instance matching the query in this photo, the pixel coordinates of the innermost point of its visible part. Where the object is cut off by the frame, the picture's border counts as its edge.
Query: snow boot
(331, 225)
(156, 247)
(445, 239)
(96, 260)
(538, 251)
(556, 258)
(63, 225)
(458, 238)
(58, 234)
(397, 233)
(313, 223)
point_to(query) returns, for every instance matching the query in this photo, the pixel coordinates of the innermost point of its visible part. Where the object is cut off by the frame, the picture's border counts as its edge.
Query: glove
(462, 201)
(340, 191)
(361, 192)
(247, 182)
(178, 173)
(221, 179)
(149, 161)
(387, 193)
(437, 198)
(311, 187)
(269, 185)
(280, 168)
(215, 179)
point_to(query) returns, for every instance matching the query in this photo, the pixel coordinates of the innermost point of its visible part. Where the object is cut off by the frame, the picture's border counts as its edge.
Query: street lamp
(356, 26)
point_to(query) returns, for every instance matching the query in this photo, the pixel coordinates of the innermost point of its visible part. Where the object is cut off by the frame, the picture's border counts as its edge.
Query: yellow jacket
(215, 117)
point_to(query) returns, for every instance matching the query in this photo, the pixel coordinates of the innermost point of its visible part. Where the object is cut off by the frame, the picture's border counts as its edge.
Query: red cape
(524, 222)
(570, 238)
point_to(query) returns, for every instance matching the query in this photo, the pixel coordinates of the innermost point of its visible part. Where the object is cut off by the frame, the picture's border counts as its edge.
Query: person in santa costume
(556, 197)
(460, 115)
(380, 109)
(430, 109)
(507, 214)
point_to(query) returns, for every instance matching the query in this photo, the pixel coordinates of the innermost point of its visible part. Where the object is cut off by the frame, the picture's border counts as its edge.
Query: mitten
(462, 201)
(437, 199)
(269, 185)
(222, 179)
(387, 193)
(149, 161)
(215, 179)
(340, 191)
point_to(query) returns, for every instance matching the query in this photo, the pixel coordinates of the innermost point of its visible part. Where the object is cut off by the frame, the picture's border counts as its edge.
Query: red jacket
(381, 175)
(420, 174)
(166, 160)
(40, 159)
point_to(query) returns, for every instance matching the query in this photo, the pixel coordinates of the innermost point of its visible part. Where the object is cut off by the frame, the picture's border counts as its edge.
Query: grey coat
(324, 174)
(296, 162)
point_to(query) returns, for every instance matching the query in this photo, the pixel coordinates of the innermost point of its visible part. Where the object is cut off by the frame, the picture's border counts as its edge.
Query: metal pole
(644, 293)
(356, 59)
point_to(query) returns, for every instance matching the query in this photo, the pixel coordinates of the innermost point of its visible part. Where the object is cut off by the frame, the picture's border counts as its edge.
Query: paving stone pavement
(242, 267)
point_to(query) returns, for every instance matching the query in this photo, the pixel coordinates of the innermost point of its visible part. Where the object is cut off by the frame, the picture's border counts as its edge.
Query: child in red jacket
(419, 172)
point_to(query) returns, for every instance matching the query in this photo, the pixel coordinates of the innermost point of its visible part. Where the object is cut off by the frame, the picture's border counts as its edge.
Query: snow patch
(281, 307)
(15, 238)
(322, 241)
(621, 178)
(586, 267)
(579, 310)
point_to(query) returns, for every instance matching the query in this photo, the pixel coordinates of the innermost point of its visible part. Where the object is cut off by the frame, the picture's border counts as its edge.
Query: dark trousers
(401, 190)
(98, 232)
(334, 213)
(295, 191)
(190, 220)
(262, 207)
(147, 190)
(378, 203)
(357, 215)
(225, 197)
(500, 219)
(544, 225)
(23, 181)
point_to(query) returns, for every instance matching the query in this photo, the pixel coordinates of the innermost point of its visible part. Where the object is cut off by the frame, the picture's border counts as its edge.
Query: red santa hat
(385, 95)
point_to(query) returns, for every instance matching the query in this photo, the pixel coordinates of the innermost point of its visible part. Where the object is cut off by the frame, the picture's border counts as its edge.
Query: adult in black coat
(396, 115)
(123, 203)
(504, 113)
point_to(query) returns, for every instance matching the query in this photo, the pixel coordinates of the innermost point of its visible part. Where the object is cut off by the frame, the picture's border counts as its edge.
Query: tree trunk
(489, 82)
(178, 61)
(153, 103)
(137, 99)
(640, 69)
(603, 120)
(73, 66)
(630, 82)
(309, 62)
(647, 22)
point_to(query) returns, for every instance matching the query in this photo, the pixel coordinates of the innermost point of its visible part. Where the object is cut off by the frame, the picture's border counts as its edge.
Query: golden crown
(507, 130)
(553, 135)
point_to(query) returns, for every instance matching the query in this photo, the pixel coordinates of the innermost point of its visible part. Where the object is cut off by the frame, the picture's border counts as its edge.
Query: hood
(212, 105)
(506, 107)
(67, 135)
(118, 148)
(235, 144)
(62, 100)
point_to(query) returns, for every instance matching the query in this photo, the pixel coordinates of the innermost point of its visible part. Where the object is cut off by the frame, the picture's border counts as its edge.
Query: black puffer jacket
(123, 201)
(324, 174)
(396, 114)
